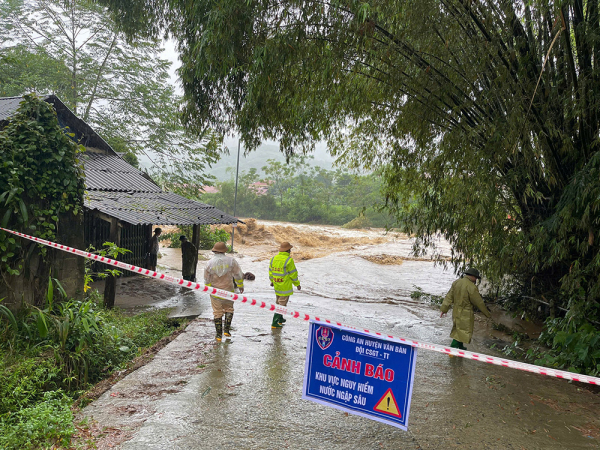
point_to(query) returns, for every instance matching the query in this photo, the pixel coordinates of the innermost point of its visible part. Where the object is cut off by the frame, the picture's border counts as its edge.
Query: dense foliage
(573, 346)
(49, 356)
(297, 192)
(208, 236)
(40, 178)
(485, 113)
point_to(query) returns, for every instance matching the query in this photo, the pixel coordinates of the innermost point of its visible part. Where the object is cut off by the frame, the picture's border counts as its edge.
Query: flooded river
(245, 393)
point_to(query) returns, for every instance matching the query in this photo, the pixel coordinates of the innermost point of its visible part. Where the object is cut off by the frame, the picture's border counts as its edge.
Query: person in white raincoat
(222, 272)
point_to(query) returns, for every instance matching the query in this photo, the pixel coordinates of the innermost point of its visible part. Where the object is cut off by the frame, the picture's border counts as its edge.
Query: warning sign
(388, 405)
(360, 374)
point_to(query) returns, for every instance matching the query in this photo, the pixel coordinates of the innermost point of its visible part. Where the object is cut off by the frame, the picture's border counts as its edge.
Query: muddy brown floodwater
(245, 393)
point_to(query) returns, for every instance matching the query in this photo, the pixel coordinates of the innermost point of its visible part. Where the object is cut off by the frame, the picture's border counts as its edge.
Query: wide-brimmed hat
(285, 246)
(473, 272)
(182, 237)
(220, 247)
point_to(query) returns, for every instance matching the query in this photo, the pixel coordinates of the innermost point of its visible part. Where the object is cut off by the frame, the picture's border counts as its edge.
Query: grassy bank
(49, 357)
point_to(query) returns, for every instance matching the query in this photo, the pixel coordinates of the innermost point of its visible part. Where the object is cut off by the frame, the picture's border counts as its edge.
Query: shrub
(575, 348)
(24, 381)
(37, 426)
(419, 294)
(47, 356)
(208, 237)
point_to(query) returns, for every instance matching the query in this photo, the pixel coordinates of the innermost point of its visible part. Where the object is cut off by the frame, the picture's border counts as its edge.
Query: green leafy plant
(47, 422)
(208, 236)
(12, 330)
(112, 251)
(40, 179)
(570, 345)
(48, 355)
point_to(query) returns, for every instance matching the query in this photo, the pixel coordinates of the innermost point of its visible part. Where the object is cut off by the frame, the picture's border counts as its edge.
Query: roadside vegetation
(50, 356)
(208, 236)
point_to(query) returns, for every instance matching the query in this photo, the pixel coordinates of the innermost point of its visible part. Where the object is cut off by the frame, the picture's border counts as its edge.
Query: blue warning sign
(359, 373)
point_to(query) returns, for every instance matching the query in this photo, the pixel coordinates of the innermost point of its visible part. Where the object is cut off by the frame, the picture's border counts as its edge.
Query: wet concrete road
(247, 394)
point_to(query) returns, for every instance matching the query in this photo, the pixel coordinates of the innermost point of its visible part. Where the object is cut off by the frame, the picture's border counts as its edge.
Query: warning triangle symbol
(388, 405)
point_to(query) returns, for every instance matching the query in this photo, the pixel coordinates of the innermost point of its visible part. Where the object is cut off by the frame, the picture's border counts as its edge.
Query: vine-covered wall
(41, 194)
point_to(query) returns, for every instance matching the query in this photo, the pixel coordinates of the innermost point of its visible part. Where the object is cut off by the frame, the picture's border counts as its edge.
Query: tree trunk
(196, 242)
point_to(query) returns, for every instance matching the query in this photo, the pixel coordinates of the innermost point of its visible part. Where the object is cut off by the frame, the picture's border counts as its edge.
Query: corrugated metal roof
(99, 161)
(112, 173)
(8, 106)
(155, 208)
(84, 134)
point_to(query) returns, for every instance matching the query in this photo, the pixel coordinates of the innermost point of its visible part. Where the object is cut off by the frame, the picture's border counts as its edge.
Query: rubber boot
(227, 324)
(219, 328)
(456, 344)
(276, 323)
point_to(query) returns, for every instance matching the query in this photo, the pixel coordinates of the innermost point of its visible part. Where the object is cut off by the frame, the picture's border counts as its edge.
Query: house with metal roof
(122, 203)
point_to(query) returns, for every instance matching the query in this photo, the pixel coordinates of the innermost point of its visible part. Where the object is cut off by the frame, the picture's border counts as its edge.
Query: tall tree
(484, 114)
(119, 86)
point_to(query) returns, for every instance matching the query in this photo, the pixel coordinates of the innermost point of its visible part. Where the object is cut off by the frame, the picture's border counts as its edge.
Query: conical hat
(285, 246)
(220, 247)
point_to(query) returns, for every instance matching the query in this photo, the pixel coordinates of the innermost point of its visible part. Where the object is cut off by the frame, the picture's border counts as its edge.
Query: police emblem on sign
(324, 337)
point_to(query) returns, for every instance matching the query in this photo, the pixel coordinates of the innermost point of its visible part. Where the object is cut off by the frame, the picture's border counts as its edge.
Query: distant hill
(258, 158)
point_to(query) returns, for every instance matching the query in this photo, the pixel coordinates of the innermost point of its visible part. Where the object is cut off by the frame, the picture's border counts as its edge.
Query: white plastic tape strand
(303, 316)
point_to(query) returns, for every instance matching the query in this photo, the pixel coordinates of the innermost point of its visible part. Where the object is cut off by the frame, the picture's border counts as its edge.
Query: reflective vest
(283, 274)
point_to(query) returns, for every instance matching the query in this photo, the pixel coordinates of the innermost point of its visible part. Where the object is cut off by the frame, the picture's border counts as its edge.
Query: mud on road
(245, 393)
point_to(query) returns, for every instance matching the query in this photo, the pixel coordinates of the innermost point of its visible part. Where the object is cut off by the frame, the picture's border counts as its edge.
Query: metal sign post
(237, 171)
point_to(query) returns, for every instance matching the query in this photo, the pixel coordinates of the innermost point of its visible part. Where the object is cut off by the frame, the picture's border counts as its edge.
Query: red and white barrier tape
(302, 316)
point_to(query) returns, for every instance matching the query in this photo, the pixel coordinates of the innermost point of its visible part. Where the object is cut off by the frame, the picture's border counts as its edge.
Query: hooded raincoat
(222, 272)
(463, 295)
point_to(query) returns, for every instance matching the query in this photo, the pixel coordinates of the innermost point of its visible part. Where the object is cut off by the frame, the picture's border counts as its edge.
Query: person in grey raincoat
(462, 297)
(223, 272)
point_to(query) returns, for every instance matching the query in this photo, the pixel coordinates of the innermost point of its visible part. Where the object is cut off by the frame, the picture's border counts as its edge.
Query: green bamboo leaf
(11, 194)
(6, 218)
(23, 208)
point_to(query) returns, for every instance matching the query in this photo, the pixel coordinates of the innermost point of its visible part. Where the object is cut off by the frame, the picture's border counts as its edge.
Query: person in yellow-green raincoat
(283, 276)
(463, 295)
